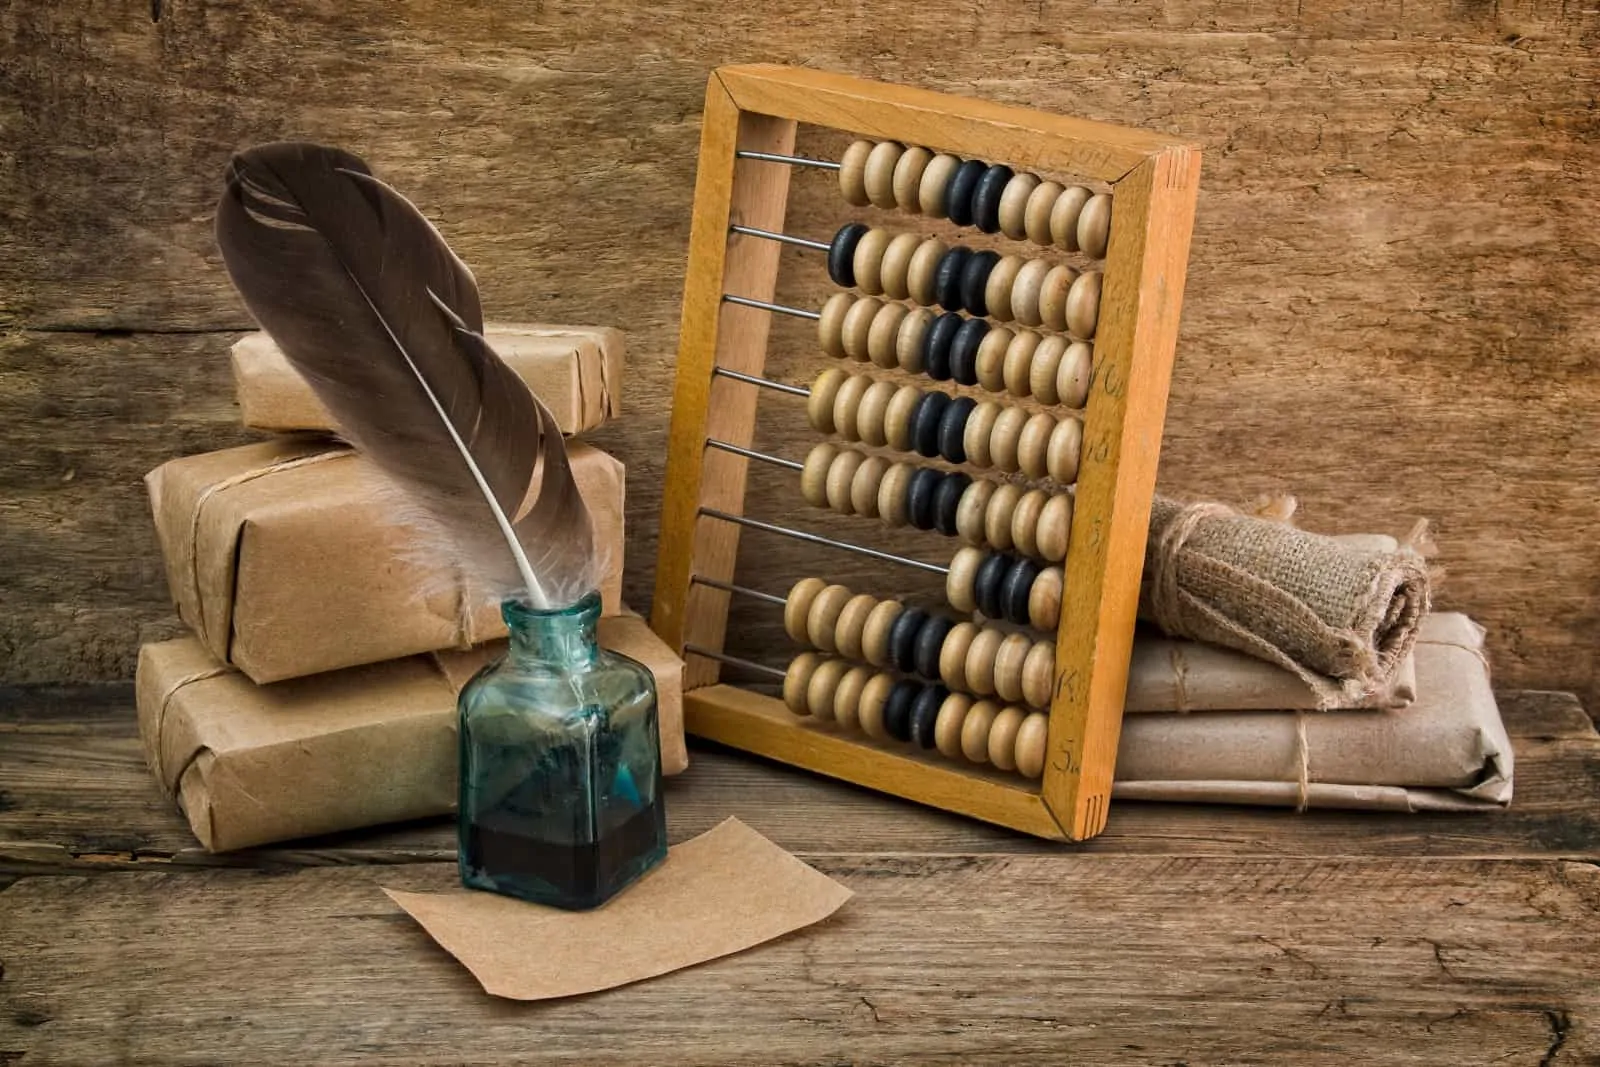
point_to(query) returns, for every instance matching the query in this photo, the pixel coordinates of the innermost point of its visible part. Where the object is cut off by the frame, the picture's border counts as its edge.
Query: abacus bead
(1064, 213)
(1006, 436)
(1042, 368)
(1044, 599)
(822, 686)
(1094, 226)
(920, 505)
(997, 521)
(1015, 590)
(894, 270)
(971, 510)
(1055, 528)
(953, 654)
(947, 501)
(872, 411)
(975, 730)
(898, 415)
(875, 633)
(980, 660)
(953, 428)
(819, 405)
(1014, 204)
(796, 679)
(830, 327)
(1025, 521)
(947, 727)
(980, 428)
(867, 263)
(923, 271)
(958, 201)
(947, 280)
(975, 281)
(883, 332)
(1066, 444)
(1026, 289)
(1053, 296)
(1039, 673)
(936, 346)
(847, 697)
(853, 172)
(864, 486)
(892, 494)
(992, 358)
(1003, 737)
(997, 290)
(1083, 305)
(925, 423)
(930, 640)
(1034, 443)
(840, 474)
(908, 341)
(1008, 661)
(987, 583)
(797, 605)
(897, 709)
(879, 176)
(1017, 371)
(986, 197)
(925, 714)
(933, 191)
(824, 616)
(846, 403)
(869, 711)
(960, 581)
(814, 475)
(1036, 215)
(851, 625)
(908, 178)
(903, 639)
(1073, 376)
(857, 323)
(841, 253)
(964, 351)
(1030, 744)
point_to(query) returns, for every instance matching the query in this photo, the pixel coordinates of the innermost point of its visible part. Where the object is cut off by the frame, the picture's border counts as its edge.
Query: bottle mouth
(521, 612)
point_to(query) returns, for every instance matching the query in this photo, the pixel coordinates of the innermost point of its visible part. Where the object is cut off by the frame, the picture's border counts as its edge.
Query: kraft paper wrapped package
(254, 764)
(283, 559)
(575, 370)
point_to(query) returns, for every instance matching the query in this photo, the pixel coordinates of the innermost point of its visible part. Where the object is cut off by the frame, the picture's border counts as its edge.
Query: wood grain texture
(1388, 312)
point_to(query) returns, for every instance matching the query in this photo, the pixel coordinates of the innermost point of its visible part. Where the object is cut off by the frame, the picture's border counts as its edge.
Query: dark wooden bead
(842, 253)
(1015, 588)
(947, 501)
(947, 280)
(975, 279)
(922, 504)
(936, 342)
(897, 709)
(958, 199)
(986, 198)
(953, 428)
(925, 422)
(903, 639)
(986, 584)
(925, 714)
(930, 641)
(964, 350)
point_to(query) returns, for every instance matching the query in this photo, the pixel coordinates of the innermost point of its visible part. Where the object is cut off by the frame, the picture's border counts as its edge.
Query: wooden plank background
(1391, 310)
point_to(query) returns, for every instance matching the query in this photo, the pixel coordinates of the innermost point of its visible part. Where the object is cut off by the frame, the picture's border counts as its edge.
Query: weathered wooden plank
(969, 960)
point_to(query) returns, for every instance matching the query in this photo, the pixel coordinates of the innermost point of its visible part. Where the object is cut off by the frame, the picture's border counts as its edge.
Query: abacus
(1011, 714)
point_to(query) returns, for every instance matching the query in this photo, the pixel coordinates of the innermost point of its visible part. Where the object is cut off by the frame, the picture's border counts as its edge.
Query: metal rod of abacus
(763, 305)
(750, 453)
(818, 539)
(765, 383)
(748, 664)
(795, 161)
(743, 590)
(781, 238)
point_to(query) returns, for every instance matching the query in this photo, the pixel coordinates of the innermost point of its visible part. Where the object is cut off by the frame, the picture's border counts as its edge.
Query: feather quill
(373, 308)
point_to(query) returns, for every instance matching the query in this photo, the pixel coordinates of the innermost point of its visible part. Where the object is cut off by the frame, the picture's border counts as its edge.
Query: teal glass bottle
(560, 794)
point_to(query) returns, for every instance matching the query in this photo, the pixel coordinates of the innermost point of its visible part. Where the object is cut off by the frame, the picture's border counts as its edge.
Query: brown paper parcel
(575, 370)
(283, 559)
(254, 764)
(1447, 752)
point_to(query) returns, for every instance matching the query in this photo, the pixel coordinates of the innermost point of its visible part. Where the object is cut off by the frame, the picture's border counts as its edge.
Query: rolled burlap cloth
(1340, 617)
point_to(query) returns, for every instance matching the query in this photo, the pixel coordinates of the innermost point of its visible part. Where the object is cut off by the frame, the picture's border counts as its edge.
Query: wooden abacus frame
(1154, 181)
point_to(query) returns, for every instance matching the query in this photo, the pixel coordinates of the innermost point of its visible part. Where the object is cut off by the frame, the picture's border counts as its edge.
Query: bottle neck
(564, 637)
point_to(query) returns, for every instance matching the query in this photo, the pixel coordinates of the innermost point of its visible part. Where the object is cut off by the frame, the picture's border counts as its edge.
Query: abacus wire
(763, 305)
(818, 539)
(736, 661)
(781, 238)
(750, 453)
(765, 383)
(794, 161)
(730, 587)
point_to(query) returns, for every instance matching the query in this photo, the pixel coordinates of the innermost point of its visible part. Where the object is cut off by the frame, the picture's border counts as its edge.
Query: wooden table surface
(1184, 935)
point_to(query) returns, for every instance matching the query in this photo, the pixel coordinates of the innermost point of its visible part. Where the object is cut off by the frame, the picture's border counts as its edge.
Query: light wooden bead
(908, 341)
(857, 324)
(873, 410)
(975, 730)
(875, 632)
(846, 402)
(796, 679)
(1003, 737)
(1025, 521)
(897, 417)
(822, 686)
(1032, 736)
(819, 405)
(953, 654)
(894, 269)
(869, 711)
(853, 173)
(864, 486)
(1006, 437)
(824, 617)
(1026, 289)
(1018, 368)
(879, 176)
(1055, 528)
(997, 521)
(924, 271)
(1039, 673)
(1034, 445)
(908, 178)
(1036, 214)
(935, 184)
(947, 726)
(958, 583)
(1008, 663)
(840, 474)
(980, 660)
(1094, 226)
(1066, 444)
(868, 260)
(1042, 368)
(1014, 205)
(882, 334)
(814, 475)
(852, 623)
(847, 697)
(830, 327)
(1083, 305)
(797, 605)
(972, 509)
(1073, 375)
(997, 290)
(1053, 296)
(1044, 600)
(892, 494)
(1064, 218)
(991, 359)
(979, 432)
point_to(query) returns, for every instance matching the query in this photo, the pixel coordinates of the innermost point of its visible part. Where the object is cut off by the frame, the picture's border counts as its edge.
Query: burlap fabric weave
(1339, 617)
